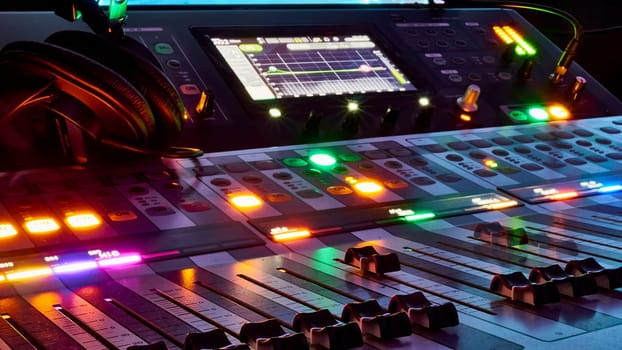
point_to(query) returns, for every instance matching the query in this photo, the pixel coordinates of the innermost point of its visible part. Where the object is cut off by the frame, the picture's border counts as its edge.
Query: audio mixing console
(413, 220)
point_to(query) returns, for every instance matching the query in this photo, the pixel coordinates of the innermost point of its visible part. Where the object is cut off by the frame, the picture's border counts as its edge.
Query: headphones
(113, 91)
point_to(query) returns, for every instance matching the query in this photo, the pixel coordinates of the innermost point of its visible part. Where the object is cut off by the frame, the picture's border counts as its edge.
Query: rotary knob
(468, 101)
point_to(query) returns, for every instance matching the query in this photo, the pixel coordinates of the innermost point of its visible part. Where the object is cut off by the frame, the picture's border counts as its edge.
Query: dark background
(600, 52)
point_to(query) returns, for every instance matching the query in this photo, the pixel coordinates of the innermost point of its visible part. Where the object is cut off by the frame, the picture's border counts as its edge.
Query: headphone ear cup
(149, 80)
(116, 106)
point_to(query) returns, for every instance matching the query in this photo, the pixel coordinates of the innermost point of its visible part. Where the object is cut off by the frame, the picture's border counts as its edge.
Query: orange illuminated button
(7, 230)
(280, 234)
(83, 221)
(42, 225)
(339, 190)
(122, 215)
(245, 201)
(395, 184)
(278, 197)
(559, 112)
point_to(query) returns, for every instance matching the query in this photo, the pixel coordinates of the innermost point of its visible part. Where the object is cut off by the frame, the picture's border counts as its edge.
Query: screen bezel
(204, 34)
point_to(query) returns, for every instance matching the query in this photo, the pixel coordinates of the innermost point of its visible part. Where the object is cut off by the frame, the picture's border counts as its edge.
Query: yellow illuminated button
(29, 273)
(563, 195)
(368, 187)
(395, 184)
(44, 225)
(339, 190)
(122, 215)
(82, 221)
(245, 201)
(278, 197)
(465, 117)
(7, 230)
(280, 234)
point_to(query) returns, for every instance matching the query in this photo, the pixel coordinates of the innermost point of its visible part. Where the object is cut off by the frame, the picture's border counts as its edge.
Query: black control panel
(374, 178)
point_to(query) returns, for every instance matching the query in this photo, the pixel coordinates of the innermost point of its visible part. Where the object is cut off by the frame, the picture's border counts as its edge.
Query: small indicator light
(75, 267)
(44, 225)
(280, 234)
(120, 260)
(612, 188)
(563, 195)
(424, 101)
(353, 106)
(275, 113)
(368, 187)
(502, 205)
(82, 221)
(490, 163)
(7, 230)
(465, 117)
(419, 217)
(323, 159)
(245, 201)
(559, 112)
(538, 113)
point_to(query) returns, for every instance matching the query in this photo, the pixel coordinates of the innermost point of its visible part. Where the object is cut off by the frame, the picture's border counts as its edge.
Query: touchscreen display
(275, 67)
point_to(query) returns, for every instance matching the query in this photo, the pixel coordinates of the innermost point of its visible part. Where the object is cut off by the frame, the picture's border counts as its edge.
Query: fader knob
(468, 101)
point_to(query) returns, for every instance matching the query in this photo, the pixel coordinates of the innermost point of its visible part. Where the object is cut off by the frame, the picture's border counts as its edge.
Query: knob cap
(468, 101)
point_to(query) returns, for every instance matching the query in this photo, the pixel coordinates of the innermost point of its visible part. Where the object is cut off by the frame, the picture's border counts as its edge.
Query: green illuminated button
(417, 217)
(295, 162)
(323, 159)
(518, 115)
(349, 157)
(164, 49)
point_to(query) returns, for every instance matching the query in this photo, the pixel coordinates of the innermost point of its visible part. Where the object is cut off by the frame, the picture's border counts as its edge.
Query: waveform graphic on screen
(290, 67)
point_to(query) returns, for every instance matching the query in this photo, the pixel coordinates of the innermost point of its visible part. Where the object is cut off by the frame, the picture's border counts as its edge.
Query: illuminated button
(395, 184)
(518, 115)
(563, 195)
(559, 112)
(323, 159)
(245, 201)
(82, 221)
(339, 190)
(120, 260)
(122, 215)
(368, 187)
(286, 234)
(7, 230)
(75, 267)
(275, 113)
(538, 113)
(278, 197)
(45, 225)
